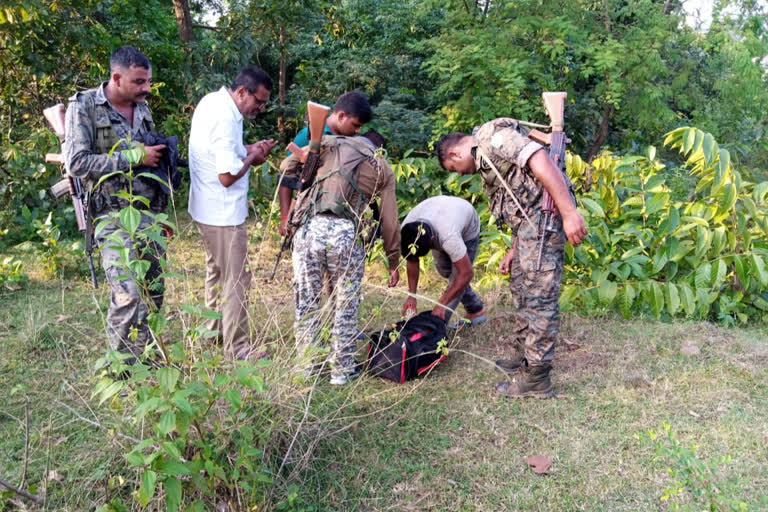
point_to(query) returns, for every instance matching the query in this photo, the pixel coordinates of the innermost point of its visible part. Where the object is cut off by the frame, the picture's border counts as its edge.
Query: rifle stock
(55, 116)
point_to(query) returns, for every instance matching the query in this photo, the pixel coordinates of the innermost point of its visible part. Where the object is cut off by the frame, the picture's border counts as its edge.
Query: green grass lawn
(445, 442)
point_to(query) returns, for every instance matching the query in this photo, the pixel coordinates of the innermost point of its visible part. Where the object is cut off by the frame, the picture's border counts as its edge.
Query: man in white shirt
(450, 228)
(218, 165)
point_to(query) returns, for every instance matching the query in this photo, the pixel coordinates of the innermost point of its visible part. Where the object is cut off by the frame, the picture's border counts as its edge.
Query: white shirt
(216, 147)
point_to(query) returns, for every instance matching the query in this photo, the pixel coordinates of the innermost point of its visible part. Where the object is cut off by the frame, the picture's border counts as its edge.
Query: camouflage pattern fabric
(93, 126)
(327, 245)
(535, 294)
(127, 327)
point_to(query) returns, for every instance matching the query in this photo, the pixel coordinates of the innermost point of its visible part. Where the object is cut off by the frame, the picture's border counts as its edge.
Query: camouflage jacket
(506, 144)
(93, 126)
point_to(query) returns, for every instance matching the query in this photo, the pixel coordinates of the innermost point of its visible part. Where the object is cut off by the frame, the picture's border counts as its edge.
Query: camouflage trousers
(327, 246)
(536, 293)
(127, 327)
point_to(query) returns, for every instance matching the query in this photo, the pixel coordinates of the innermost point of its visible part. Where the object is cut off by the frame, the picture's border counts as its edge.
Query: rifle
(554, 102)
(80, 199)
(317, 115)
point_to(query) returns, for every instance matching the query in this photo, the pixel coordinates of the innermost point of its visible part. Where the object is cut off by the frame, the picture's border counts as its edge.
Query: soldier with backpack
(327, 219)
(516, 171)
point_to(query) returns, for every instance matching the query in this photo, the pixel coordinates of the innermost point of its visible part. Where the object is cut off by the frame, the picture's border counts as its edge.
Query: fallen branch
(22, 492)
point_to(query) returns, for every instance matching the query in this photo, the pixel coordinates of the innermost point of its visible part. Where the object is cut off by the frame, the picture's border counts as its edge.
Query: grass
(446, 442)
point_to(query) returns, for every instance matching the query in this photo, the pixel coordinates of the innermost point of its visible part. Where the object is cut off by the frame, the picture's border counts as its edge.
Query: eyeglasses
(260, 104)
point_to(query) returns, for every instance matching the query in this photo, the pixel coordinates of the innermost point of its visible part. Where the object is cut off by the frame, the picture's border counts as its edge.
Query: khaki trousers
(227, 280)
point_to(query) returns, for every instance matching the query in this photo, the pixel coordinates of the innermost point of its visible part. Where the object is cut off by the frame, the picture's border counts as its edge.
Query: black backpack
(406, 350)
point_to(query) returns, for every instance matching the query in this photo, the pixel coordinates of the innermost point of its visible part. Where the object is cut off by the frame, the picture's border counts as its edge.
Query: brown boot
(529, 381)
(512, 365)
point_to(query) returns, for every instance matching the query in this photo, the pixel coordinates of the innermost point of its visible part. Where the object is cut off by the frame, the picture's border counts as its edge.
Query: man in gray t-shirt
(450, 227)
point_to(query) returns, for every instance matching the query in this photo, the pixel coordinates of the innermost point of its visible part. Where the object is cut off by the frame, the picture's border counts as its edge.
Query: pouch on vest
(406, 350)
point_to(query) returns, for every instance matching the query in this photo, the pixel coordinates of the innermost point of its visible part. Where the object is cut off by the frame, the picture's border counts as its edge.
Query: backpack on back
(407, 350)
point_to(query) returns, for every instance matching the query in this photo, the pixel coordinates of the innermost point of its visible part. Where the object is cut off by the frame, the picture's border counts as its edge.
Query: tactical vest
(105, 139)
(527, 189)
(335, 191)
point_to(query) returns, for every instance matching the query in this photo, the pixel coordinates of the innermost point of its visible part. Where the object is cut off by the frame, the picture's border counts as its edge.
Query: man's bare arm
(550, 176)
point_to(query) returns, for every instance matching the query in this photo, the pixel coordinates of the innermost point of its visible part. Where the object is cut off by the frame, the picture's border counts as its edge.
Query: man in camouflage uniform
(96, 120)
(327, 242)
(500, 149)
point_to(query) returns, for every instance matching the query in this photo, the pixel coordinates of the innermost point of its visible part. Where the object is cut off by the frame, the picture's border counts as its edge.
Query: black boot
(530, 381)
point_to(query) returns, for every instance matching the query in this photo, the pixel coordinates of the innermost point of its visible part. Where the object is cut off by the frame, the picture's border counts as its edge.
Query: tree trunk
(281, 86)
(602, 133)
(184, 20)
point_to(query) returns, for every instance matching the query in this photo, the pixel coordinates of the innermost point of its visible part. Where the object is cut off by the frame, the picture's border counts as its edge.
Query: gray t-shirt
(453, 219)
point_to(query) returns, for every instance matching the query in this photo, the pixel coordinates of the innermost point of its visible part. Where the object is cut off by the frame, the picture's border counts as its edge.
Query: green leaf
(174, 468)
(659, 260)
(167, 377)
(657, 202)
(703, 276)
(721, 171)
(673, 299)
(759, 191)
(626, 300)
(167, 423)
(719, 239)
(707, 147)
(593, 207)
(234, 397)
(729, 197)
(173, 494)
(110, 391)
(742, 270)
(657, 298)
(703, 241)
(157, 322)
(130, 218)
(719, 270)
(633, 201)
(688, 299)
(758, 269)
(607, 291)
(147, 489)
(688, 140)
(171, 449)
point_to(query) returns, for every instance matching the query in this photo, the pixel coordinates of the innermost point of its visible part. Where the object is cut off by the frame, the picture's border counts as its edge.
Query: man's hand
(409, 305)
(283, 225)
(506, 262)
(152, 155)
(439, 311)
(574, 227)
(394, 277)
(260, 150)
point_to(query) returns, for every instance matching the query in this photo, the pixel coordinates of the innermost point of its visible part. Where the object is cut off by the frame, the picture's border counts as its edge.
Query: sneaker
(345, 378)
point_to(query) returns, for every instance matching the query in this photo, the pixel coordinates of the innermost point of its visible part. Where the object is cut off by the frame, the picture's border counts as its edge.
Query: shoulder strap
(506, 187)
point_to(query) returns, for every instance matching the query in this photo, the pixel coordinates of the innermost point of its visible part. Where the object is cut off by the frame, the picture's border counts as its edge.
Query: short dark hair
(251, 78)
(376, 138)
(355, 103)
(127, 56)
(415, 239)
(445, 144)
